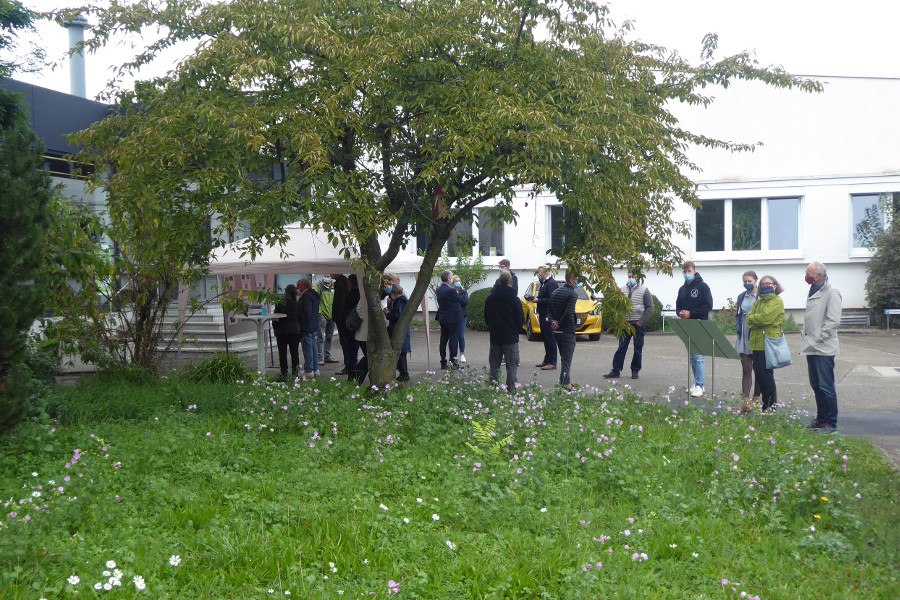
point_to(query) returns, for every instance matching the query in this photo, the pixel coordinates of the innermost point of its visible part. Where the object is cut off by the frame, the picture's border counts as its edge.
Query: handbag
(778, 354)
(354, 321)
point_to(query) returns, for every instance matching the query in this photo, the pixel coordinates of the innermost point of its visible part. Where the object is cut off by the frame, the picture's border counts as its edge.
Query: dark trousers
(360, 369)
(747, 376)
(550, 353)
(766, 379)
(345, 337)
(510, 353)
(288, 342)
(565, 342)
(821, 378)
(449, 333)
(402, 366)
(619, 356)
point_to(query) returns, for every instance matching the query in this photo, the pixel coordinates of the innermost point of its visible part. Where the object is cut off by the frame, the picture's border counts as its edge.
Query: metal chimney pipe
(77, 83)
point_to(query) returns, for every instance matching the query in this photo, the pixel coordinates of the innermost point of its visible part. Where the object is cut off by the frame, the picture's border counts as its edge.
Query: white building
(824, 158)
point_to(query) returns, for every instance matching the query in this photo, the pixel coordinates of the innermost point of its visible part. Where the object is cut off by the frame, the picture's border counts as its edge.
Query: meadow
(447, 489)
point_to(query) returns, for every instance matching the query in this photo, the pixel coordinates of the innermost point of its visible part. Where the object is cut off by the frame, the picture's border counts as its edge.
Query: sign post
(703, 337)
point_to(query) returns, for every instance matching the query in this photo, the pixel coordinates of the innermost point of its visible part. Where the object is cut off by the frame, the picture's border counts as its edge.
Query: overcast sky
(806, 37)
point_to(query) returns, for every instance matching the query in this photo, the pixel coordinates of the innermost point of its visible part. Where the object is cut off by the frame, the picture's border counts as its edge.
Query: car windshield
(534, 288)
(582, 295)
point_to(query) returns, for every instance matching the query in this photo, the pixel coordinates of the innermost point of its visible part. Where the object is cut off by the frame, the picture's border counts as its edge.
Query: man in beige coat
(819, 342)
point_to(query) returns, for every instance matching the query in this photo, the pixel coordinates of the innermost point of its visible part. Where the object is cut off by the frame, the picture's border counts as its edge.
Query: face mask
(457, 284)
(689, 277)
(767, 290)
(749, 287)
(810, 280)
(326, 281)
(632, 282)
(388, 288)
(578, 285)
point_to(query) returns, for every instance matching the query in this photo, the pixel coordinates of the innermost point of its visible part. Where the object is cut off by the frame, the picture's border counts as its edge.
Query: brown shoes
(746, 405)
(541, 365)
(548, 368)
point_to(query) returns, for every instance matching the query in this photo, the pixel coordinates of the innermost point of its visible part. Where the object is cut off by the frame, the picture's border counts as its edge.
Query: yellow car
(587, 314)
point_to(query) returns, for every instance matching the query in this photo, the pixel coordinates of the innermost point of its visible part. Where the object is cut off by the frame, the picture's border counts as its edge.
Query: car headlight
(596, 311)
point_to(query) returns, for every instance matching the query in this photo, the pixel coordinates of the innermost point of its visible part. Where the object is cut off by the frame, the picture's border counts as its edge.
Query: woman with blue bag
(766, 319)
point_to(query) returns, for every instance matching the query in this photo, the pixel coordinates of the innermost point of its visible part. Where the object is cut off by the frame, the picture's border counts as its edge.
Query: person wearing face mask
(457, 285)
(745, 301)
(819, 342)
(504, 266)
(766, 319)
(451, 304)
(562, 324)
(694, 302)
(641, 301)
(326, 319)
(548, 286)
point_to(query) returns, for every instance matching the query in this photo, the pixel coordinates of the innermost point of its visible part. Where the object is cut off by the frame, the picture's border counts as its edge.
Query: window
(490, 233)
(871, 213)
(748, 224)
(556, 216)
(459, 243)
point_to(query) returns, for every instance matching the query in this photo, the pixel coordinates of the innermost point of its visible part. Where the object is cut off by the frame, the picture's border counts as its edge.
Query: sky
(806, 37)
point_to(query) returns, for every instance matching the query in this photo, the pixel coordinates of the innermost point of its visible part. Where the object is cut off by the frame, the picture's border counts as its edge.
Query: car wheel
(594, 337)
(532, 336)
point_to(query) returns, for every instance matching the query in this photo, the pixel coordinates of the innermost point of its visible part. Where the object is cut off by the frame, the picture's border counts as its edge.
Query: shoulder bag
(778, 354)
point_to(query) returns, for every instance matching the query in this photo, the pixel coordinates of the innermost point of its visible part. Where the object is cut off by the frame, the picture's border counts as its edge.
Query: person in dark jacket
(451, 303)
(309, 325)
(287, 331)
(350, 301)
(504, 318)
(548, 286)
(339, 313)
(562, 324)
(504, 265)
(641, 301)
(397, 301)
(694, 302)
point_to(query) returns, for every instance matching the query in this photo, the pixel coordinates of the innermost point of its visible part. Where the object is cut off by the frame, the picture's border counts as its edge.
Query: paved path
(867, 375)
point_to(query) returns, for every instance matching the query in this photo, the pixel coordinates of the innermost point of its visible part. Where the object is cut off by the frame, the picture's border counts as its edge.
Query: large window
(869, 216)
(748, 224)
(490, 233)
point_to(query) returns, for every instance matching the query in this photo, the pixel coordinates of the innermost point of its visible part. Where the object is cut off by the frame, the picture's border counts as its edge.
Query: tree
(881, 234)
(403, 116)
(24, 196)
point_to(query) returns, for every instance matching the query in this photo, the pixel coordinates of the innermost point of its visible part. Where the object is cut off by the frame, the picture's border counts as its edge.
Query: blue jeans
(619, 356)
(821, 378)
(310, 353)
(698, 366)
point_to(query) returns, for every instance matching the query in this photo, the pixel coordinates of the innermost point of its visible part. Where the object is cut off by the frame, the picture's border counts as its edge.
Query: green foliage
(471, 271)
(241, 482)
(24, 197)
(351, 99)
(654, 323)
(883, 281)
(790, 325)
(475, 309)
(223, 367)
(724, 317)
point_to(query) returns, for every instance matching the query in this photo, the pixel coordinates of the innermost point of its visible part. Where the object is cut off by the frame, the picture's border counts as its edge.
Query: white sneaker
(696, 392)
(462, 358)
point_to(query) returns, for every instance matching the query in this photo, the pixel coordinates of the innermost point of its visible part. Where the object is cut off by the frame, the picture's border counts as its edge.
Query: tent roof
(307, 251)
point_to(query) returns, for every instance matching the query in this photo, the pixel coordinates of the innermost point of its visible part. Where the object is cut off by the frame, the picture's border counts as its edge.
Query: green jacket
(326, 301)
(766, 318)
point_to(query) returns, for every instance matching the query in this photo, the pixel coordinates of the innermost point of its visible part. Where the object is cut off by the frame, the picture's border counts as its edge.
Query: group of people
(759, 314)
(312, 315)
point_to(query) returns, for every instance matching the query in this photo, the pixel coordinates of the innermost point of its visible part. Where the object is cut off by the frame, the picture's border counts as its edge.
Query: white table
(260, 321)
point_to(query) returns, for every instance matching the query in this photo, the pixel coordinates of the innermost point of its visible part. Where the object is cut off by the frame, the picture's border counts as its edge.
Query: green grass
(262, 486)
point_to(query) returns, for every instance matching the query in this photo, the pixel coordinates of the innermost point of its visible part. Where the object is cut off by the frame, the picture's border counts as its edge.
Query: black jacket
(543, 298)
(290, 323)
(562, 308)
(504, 316)
(341, 292)
(309, 312)
(450, 304)
(695, 297)
(515, 283)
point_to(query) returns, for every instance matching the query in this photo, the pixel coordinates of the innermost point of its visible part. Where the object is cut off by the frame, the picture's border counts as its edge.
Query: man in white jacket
(819, 342)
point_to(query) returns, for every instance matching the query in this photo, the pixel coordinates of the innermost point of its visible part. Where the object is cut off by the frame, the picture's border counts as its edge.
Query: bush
(222, 367)
(654, 323)
(883, 282)
(476, 309)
